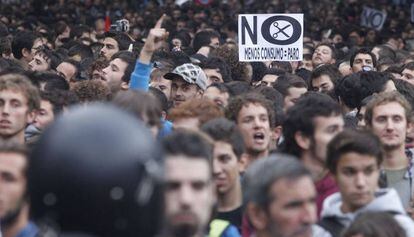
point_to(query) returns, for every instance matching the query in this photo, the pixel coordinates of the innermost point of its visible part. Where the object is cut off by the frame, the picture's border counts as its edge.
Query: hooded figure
(386, 200)
(96, 172)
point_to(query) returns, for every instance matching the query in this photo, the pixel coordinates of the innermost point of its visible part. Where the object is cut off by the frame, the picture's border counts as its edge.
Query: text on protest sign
(270, 37)
(372, 18)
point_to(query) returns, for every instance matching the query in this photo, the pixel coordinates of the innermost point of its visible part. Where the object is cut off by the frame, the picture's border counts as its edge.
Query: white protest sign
(270, 37)
(372, 18)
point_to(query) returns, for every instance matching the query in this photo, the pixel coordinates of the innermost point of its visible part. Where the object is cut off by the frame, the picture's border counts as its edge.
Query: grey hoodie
(386, 200)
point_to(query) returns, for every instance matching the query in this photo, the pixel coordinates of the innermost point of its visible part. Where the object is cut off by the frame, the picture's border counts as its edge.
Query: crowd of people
(136, 118)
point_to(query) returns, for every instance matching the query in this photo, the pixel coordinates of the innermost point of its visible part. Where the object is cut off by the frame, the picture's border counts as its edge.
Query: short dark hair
(363, 51)
(53, 99)
(359, 141)
(84, 51)
(237, 103)
(409, 66)
(22, 40)
(300, 118)
(373, 82)
(263, 173)
(348, 90)
(385, 52)
(220, 86)
(122, 39)
(406, 89)
(161, 97)
(130, 59)
(329, 70)
(51, 57)
(74, 64)
(222, 129)
(203, 38)
(238, 87)
(220, 64)
(48, 81)
(287, 81)
(188, 143)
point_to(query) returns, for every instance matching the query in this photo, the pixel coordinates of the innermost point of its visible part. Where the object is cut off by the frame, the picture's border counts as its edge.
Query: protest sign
(270, 37)
(372, 18)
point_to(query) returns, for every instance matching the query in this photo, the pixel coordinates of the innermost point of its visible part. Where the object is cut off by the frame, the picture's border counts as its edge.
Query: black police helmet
(95, 171)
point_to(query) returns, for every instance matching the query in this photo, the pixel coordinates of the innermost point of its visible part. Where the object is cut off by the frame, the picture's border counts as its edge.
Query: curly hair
(91, 90)
(237, 103)
(239, 70)
(204, 110)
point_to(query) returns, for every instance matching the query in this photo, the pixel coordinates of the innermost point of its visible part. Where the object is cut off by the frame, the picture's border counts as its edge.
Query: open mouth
(258, 136)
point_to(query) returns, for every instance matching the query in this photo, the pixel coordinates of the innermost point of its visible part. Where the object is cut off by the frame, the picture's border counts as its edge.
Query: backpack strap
(217, 227)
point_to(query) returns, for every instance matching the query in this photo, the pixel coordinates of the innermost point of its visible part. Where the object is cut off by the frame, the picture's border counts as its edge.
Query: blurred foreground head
(95, 172)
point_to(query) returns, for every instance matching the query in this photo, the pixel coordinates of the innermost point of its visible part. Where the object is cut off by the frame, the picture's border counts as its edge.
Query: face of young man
(322, 55)
(182, 91)
(218, 97)
(408, 75)
(189, 195)
(44, 116)
(38, 63)
(110, 48)
(390, 125)
(12, 186)
(322, 84)
(326, 129)
(213, 76)
(163, 85)
(67, 71)
(14, 113)
(293, 208)
(362, 60)
(268, 80)
(113, 74)
(253, 122)
(293, 95)
(357, 179)
(225, 167)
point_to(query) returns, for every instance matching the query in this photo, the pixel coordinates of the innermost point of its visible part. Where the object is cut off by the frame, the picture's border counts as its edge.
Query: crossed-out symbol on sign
(281, 30)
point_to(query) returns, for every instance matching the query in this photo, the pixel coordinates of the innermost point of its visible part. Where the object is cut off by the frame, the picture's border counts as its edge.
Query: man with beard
(113, 43)
(323, 79)
(363, 60)
(190, 193)
(14, 206)
(388, 116)
(280, 198)
(118, 73)
(19, 100)
(254, 116)
(188, 81)
(309, 126)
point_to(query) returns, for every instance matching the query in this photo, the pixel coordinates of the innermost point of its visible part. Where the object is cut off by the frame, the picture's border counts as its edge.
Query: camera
(120, 26)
